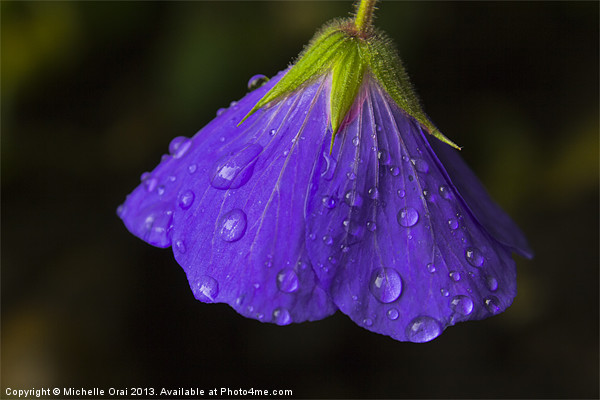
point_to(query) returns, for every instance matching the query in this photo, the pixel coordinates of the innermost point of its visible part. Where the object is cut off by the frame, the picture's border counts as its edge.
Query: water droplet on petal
(408, 217)
(401, 193)
(353, 199)
(179, 146)
(355, 141)
(180, 246)
(453, 224)
(462, 304)
(327, 240)
(221, 111)
(474, 256)
(233, 225)
(384, 157)
(492, 304)
(455, 276)
(373, 193)
(272, 132)
(257, 81)
(186, 199)
(491, 283)
(395, 171)
(328, 202)
(393, 314)
(150, 183)
(287, 280)
(423, 329)
(371, 226)
(351, 176)
(206, 289)
(445, 192)
(444, 292)
(330, 164)
(192, 168)
(367, 322)
(431, 268)
(281, 316)
(386, 285)
(234, 170)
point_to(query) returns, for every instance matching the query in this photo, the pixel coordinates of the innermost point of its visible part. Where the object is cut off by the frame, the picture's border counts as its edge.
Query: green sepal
(346, 78)
(387, 68)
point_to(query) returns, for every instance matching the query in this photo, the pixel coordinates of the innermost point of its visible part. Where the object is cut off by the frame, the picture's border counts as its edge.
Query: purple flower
(387, 224)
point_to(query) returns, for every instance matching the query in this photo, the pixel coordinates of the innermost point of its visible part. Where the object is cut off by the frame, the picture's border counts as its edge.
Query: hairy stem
(364, 15)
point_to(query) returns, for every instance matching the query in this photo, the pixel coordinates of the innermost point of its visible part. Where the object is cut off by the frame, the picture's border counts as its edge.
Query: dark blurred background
(93, 92)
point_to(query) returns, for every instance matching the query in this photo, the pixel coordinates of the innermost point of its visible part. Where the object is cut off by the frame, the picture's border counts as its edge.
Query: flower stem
(364, 15)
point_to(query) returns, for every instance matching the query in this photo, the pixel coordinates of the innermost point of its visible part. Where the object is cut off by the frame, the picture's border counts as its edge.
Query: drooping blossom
(269, 211)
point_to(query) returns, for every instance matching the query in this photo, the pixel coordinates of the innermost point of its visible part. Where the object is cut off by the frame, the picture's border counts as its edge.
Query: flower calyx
(347, 54)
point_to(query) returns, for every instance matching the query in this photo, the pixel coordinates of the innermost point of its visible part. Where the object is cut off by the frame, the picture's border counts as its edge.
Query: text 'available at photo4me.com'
(141, 392)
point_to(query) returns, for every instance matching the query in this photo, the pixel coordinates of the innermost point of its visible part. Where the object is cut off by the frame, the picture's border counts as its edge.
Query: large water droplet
(462, 304)
(328, 202)
(386, 285)
(373, 193)
(150, 183)
(371, 226)
(423, 329)
(408, 217)
(257, 81)
(491, 283)
(453, 224)
(179, 146)
(157, 226)
(353, 198)
(474, 256)
(329, 168)
(232, 225)
(393, 314)
(445, 192)
(186, 199)
(234, 170)
(384, 157)
(281, 316)
(455, 276)
(492, 304)
(206, 289)
(287, 280)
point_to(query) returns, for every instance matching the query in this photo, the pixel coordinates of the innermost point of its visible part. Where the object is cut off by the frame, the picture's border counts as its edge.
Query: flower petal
(394, 244)
(237, 207)
(483, 207)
